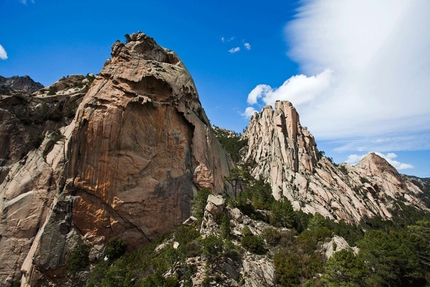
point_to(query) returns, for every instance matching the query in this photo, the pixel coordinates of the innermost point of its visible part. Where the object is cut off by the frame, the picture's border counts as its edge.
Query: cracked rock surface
(128, 164)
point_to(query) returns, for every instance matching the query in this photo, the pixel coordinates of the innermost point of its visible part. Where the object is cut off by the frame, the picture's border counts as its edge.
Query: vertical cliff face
(126, 166)
(283, 152)
(279, 146)
(141, 146)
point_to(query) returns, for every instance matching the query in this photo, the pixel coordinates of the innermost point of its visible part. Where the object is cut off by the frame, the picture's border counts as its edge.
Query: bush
(344, 269)
(199, 202)
(253, 244)
(52, 90)
(283, 214)
(36, 141)
(343, 169)
(186, 234)
(272, 236)
(231, 251)
(225, 227)
(78, 260)
(246, 231)
(115, 248)
(212, 247)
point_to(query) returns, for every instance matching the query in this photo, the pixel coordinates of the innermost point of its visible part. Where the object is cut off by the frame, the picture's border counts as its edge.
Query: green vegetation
(78, 260)
(52, 90)
(282, 214)
(344, 269)
(253, 244)
(199, 202)
(343, 169)
(230, 141)
(115, 248)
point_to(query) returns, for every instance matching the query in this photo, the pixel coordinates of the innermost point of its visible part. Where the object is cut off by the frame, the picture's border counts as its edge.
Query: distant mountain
(23, 84)
(284, 154)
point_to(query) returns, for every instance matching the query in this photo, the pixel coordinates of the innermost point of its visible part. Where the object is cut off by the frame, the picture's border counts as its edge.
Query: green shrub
(253, 244)
(115, 248)
(343, 169)
(246, 231)
(199, 202)
(364, 180)
(231, 251)
(282, 214)
(78, 260)
(212, 247)
(186, 234)
(36, 141)
(52, 90)
(225, 227)
(272, 236)
(344, 269)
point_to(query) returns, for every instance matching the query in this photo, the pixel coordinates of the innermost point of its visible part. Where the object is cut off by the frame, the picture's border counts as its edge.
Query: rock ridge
(285, 153)
(22, 84)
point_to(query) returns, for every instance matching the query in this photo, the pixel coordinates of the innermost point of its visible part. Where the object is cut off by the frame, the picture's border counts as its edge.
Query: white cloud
(224, 40)
(378, 53)
(25, 1)
(257, 93)
(249, 112)
(247, 46)
(298, 89)
(234, 50)
(354, 159)
(3, 54)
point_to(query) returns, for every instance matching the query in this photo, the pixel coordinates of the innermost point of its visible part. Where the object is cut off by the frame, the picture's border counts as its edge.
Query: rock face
(283, 152)
(127, 165)
(19, 84)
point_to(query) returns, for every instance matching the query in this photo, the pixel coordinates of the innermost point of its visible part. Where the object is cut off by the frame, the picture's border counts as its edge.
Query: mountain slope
(284, 153)
(18, 84)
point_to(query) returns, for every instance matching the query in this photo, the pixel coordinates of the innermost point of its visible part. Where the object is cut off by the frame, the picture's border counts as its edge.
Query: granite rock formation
(285, 153)
(127, 165)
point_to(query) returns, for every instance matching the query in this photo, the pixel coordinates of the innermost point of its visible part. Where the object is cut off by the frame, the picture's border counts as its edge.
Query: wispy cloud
(246, 45)
(379, 62)
(390, 157)
(3, 54)
(234, 50)
(25, 1)
(226, 40)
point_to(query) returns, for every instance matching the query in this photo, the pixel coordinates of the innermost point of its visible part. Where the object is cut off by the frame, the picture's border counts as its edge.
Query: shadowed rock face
(283, 152)
(128, 165)
(19, 84)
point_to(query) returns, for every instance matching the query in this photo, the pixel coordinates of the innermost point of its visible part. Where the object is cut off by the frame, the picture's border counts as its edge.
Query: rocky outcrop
(31, 129)
(22, 84)
(127, 165)
(283, 152)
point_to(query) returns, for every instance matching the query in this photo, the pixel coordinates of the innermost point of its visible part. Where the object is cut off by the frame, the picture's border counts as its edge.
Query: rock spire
(285, 153)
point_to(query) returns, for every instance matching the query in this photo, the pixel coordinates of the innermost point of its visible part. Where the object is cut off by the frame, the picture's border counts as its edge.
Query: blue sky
(357, 71)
